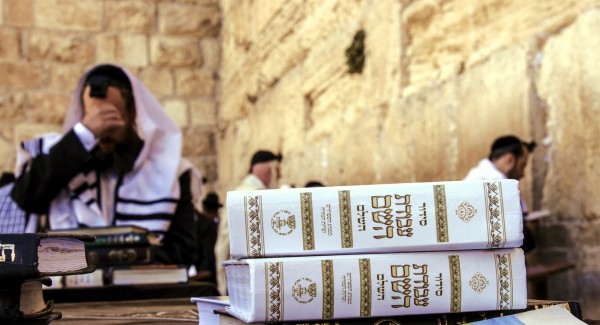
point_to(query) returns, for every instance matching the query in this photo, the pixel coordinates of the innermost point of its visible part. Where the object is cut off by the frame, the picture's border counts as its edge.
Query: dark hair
(510, 144)
(112, 76)
(314, 184)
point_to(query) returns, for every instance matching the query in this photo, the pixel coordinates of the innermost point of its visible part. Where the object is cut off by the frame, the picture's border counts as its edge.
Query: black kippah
(510, 143)
(116, 76)
(505, 141)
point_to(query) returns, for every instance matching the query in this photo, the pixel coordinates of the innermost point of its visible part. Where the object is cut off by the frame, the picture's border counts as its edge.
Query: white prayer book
(374, 285)
(375, 218)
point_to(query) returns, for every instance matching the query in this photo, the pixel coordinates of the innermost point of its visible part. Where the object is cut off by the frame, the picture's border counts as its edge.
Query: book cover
(375, 218)
(553, 315)
(37, 255)
(148, 274)
(225, 318)
(376, 285)
(93, 279)
(23, 299)
(119, 255)
(111, 236)
(207, 306)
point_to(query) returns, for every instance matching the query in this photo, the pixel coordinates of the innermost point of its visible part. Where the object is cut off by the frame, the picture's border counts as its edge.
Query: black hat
(264, 156)
(212, 200)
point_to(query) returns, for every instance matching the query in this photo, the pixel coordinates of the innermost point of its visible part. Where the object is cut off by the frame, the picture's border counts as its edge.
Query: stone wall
(171, 45)
(441, 80)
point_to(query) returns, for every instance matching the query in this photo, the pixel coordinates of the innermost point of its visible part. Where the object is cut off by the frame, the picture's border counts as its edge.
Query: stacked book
(26, 263)
(124, 255)
(357, 252)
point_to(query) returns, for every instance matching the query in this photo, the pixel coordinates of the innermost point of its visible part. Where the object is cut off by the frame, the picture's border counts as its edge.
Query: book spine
(119, 240)
(105, 256)
(19, 255)
(380, 285)
(375, 218)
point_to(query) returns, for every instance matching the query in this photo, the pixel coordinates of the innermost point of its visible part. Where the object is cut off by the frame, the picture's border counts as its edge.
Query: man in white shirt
(507, 160)
(263, 174)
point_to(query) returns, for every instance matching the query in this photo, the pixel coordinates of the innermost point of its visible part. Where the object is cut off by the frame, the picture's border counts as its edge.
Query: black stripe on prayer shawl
(40, 144)
(147, 202)
(90, 202)
(148, 217)
(81, 188)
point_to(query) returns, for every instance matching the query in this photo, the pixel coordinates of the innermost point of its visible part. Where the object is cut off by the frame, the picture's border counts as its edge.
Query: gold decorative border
(274, 288)
(253, 214)
(455, 284)
(441, 213)
(504, 280)
(346, 219)
(328, 288)
(308, 230)
(364, 267)
(494, 204)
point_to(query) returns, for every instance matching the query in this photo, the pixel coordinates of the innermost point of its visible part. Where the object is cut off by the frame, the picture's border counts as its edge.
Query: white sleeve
(86, 136)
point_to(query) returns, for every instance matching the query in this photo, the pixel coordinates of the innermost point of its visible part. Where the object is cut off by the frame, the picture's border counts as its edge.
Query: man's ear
(511, 160)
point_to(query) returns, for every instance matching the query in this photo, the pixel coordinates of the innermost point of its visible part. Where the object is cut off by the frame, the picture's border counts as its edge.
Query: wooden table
(152, 311)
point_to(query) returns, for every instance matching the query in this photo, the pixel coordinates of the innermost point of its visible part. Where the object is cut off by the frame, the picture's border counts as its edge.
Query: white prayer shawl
(152, 187)
(486, 170)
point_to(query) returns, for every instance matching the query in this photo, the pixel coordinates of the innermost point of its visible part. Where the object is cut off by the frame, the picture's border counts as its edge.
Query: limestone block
(383, 71)
(416, 138)
(282, 108)
(158, 80)
(13, 107)
(198, 141)
(588, 282)
(279, 60)
(20, 75)
(9, 44)
(28, 131)
(326, 63)
(176, 52)
(264, 13)
(127, 49)
(569, 73)
(445, 37)
(20, 13)
(207, 167)
(72, 15)
(53, 46)
(48, 107)
(133, 16)
(493, 99)
(64, 77)
(188, 19)
(1, 14)
(8, 154)
(211, 52)
(288, 17)
(558, 235)
(324, 19)
(203, 112)
(177, 111)
(194, 83)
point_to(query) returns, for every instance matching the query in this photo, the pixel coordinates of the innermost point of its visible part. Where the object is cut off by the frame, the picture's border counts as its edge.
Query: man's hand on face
(103, 118)
(106, 117)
